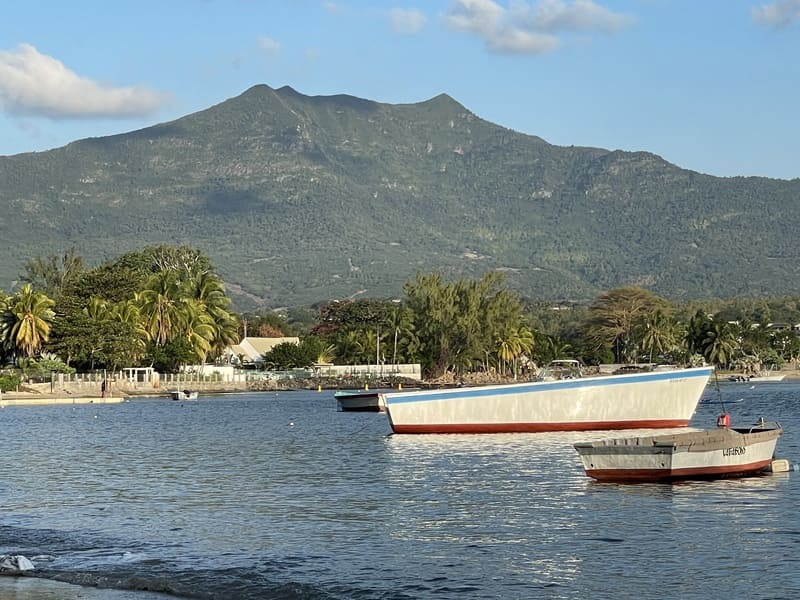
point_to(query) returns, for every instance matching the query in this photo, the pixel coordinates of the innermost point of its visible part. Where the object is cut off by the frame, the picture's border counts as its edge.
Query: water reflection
(255, 491)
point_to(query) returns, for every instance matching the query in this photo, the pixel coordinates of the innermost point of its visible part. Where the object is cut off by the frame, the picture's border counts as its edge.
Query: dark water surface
(281, 496)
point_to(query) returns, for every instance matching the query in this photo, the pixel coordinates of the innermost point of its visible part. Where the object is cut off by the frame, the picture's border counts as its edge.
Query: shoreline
(33, 587)
(33, 397)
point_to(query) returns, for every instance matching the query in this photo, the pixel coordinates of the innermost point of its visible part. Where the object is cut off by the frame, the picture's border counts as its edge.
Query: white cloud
(531, 29)
(269, 46)
(522, 42)
(580, 15)
(777, 14)
(406, 20)
(35, 84)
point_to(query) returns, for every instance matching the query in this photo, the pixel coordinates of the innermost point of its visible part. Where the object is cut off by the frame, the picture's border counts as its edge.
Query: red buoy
(724, 420)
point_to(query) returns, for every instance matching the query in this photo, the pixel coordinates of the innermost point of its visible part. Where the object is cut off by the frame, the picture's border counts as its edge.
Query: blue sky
(710, 85)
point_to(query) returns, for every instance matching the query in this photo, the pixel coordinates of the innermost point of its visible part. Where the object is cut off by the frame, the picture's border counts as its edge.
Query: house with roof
(251, 350)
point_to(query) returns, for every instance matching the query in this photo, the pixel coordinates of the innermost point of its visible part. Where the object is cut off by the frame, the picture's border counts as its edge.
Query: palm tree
(226, 333)
(161, 308)
(720, 343)
(656, 333)
(350, 347)
(128, 313)
(198, 328)
(25, 321)
(326, 355)
(525, 343)
(515, 343)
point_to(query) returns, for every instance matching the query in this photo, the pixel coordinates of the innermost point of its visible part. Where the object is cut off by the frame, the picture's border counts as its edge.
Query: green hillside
(299, 199)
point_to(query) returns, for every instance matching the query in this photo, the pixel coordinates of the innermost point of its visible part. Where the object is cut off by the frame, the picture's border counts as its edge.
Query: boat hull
(640, 400)
(360, 401)
(707, 454)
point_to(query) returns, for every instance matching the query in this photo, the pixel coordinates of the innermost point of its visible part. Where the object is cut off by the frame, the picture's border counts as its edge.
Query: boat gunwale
(541, 386)
(703, 440)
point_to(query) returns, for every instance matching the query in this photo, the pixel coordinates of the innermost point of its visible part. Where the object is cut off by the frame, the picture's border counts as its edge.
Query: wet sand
(35, 588)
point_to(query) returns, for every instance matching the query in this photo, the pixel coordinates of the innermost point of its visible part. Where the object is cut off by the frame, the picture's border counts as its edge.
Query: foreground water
(281, 496)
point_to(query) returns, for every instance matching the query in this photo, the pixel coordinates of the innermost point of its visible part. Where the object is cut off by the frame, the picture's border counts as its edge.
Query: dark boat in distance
(365, 400)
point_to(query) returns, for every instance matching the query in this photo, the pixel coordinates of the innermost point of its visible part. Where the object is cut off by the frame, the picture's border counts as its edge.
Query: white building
(251, 350)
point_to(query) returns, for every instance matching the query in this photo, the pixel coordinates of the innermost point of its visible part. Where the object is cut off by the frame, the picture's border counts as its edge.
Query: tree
(288, 355)
(161, 307)
(613, 317)
(52, 274)
(657, 333)
(720, 343)
(401, 328)
(696, 330)
(25, 321)
(459, 324)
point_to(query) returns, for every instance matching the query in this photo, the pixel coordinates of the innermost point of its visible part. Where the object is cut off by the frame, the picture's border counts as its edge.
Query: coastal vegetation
(166, 307)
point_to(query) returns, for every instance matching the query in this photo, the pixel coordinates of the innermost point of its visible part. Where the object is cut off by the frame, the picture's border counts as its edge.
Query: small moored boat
(360, 400)
(183, 395)
(700, 454)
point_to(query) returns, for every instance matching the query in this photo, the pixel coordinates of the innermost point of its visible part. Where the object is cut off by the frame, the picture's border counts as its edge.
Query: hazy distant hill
(298, 199)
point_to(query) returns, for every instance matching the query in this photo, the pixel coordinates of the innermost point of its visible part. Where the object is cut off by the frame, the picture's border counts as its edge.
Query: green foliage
(169, 357)
(288, 355)
(50, 275)
(119, 313)
(44, 366)
(25, 320)
(465, 325)
(616, 315)
(264, 324)
(9, 382)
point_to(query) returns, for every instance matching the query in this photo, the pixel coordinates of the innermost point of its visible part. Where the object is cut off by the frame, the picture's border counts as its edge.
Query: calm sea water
(281, 496)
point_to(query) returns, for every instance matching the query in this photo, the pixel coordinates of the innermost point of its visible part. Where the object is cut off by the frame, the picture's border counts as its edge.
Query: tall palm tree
(128, 313)
(226, 333)
(25, 321)
(514, 344)
(161, 307)
(720, 343)
(198, 328)
(656, 333)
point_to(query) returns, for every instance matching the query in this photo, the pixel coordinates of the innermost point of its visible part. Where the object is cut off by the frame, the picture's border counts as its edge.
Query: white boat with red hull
(702, 454)
(655, 399)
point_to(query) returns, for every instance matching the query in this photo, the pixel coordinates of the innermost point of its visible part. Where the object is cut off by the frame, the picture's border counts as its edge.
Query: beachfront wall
(209, 378)
(405, 371)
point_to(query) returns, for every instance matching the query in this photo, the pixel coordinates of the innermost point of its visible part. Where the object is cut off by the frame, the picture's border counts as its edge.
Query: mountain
(298, 199)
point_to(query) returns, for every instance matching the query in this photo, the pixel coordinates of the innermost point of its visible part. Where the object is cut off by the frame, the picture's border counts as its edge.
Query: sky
(709, 85)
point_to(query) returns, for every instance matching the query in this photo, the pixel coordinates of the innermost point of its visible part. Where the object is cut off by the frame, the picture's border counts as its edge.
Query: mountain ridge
(299, 199)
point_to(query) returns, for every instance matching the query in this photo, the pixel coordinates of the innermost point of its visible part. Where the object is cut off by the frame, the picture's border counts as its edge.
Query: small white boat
(183, 395)
(766, 378)
(639, 400)
(360, 400)
(700, 454)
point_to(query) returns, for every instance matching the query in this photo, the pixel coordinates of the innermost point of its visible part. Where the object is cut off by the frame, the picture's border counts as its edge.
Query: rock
(13, 564)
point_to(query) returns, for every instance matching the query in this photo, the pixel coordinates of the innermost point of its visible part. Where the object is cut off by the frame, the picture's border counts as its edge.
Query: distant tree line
(165, 307)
